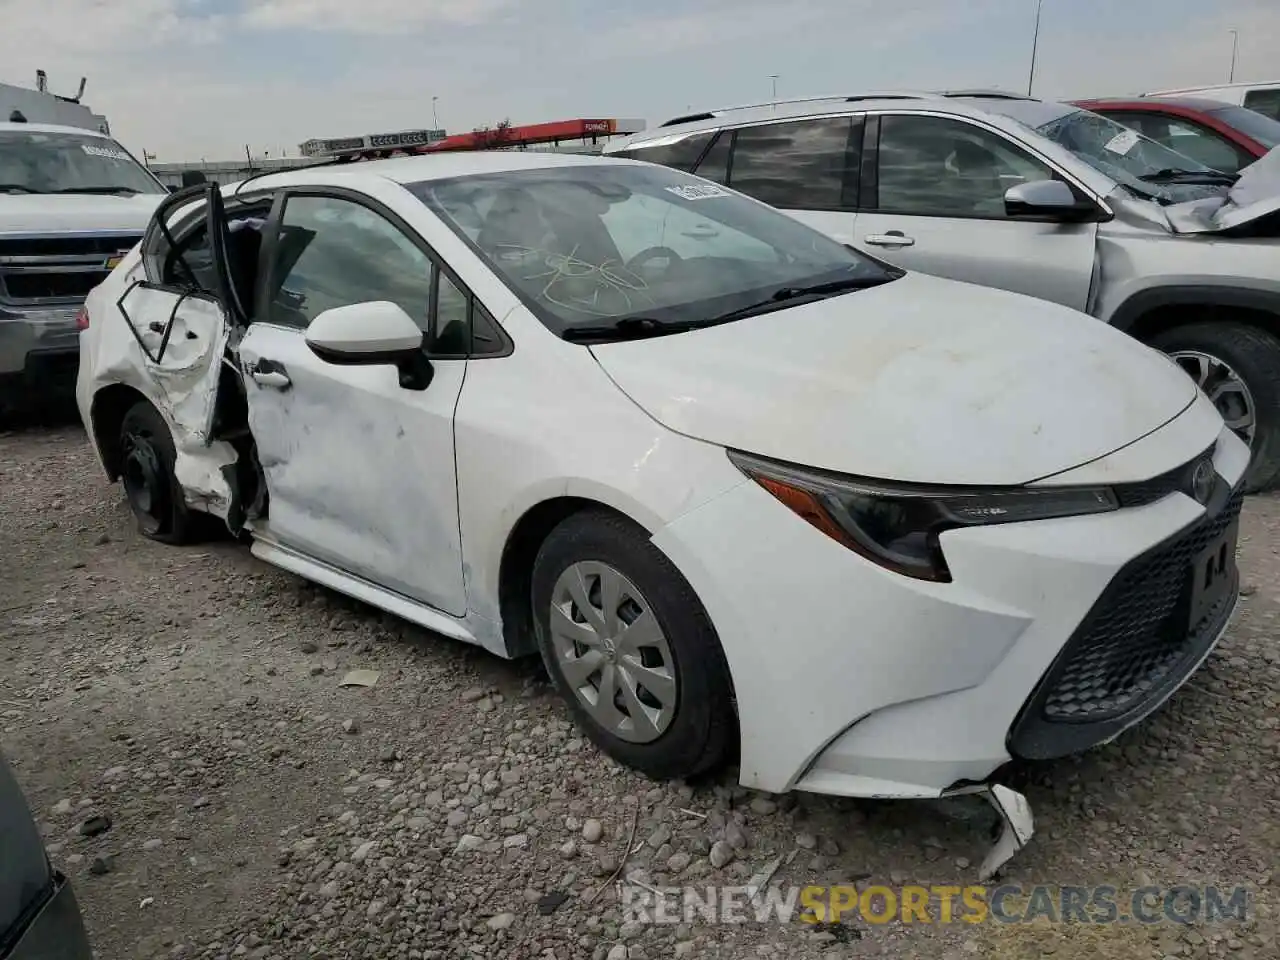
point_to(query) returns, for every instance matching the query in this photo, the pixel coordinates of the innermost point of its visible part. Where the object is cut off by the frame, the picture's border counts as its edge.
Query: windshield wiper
(630, 328)
(17, 188)
(1173, 175)
(639, 328)
(128, 191)
(784, 295)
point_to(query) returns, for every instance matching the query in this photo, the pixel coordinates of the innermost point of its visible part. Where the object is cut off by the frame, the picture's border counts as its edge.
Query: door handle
(268, 373)
(271, 378)
(894, 238)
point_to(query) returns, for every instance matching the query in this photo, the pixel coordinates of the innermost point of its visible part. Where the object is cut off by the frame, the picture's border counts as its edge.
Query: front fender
(1127, 314)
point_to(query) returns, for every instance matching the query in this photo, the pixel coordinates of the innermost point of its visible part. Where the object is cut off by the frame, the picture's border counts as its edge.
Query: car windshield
(593, 244)
(1251, 123)
(36, 162)
(1128, 157)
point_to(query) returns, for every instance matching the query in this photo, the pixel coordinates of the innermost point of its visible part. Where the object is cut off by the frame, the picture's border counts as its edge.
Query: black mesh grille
(41, 286)
(66, 246)
(1131, 650)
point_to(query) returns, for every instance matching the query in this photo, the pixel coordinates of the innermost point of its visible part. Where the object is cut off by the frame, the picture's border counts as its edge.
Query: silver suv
(1036, 197)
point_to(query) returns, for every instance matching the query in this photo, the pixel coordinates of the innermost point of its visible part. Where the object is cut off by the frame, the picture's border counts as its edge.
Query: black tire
(703, 730)
(150, 486)
(1254, 355)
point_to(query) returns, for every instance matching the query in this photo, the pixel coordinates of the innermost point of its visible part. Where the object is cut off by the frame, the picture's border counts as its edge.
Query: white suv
(1040, 198)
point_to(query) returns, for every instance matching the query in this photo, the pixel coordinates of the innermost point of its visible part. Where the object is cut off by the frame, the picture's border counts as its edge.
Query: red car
(1218, 134)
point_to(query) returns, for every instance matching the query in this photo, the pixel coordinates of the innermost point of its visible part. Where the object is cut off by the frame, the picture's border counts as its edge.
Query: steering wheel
(652, 253)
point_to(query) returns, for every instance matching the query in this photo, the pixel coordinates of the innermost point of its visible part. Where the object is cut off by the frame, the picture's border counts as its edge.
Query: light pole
(1235, 50)
(1035, 45)
(434, 118)
(774, 78)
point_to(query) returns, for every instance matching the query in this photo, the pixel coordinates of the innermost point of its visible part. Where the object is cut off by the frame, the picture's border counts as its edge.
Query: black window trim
(857, 122)
(506, 346)
(1081, 191)
(188, 225)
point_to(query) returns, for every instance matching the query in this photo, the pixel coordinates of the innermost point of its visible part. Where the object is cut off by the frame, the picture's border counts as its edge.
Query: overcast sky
(187, 79)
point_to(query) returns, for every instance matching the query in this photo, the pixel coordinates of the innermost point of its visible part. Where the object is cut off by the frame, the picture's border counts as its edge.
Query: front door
(360, 471)
(937, 206)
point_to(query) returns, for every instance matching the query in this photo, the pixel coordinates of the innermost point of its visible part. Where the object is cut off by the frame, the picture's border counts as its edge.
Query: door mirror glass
(1041, 198)
(364, 333)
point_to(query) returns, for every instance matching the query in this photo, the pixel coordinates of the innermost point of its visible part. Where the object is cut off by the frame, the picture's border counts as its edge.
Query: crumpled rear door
(183, 330)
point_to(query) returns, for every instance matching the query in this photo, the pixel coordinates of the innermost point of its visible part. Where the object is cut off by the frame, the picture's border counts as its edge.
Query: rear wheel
(146, 471)
(630, 648)
(1238, 367)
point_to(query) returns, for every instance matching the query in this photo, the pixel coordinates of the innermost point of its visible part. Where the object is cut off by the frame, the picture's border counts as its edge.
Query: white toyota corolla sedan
(747, 491)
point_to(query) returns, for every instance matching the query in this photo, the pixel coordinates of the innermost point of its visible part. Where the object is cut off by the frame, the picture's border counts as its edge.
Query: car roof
(1202, 104)
(1017, 116)
(427, 166)
(1245, 85)
(7, 127)
(978, 104)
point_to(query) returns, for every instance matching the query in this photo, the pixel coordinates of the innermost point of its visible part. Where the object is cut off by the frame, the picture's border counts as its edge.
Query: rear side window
(1266, 102)
(799, 164)
(683, 154)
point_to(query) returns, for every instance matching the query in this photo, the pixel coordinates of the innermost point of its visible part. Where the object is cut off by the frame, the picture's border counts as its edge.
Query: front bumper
(39, 354)
(854, 681)
(56, 932)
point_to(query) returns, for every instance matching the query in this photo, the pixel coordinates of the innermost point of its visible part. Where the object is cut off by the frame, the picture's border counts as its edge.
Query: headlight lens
(898, 525)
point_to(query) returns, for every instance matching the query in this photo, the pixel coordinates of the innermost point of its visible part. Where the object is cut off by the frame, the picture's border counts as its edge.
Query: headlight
(897, 525)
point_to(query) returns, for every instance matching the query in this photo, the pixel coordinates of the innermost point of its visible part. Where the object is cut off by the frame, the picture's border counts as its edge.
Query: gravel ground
(257, 809)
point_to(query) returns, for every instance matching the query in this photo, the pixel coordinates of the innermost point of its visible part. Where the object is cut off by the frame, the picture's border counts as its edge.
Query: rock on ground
(171, 691)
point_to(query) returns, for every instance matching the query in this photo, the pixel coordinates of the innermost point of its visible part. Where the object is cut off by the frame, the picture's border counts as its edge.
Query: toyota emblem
(1202, 481)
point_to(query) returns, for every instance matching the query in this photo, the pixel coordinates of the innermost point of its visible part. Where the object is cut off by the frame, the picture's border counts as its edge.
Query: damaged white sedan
(747, 491)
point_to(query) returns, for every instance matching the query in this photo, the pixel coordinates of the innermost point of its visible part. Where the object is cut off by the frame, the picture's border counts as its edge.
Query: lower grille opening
(51, 286)
(1135, 647)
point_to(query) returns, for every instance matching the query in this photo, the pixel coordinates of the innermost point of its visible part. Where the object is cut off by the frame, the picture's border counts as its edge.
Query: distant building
(561, 136)
(224, 171)
(352, 146)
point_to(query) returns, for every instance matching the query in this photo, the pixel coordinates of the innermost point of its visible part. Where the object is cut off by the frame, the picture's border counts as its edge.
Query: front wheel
(1238, 367)
(146, 471)
(630, 648)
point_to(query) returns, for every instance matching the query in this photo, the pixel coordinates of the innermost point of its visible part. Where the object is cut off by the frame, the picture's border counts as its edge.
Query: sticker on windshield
(107, 152)
(1122, 143)
(698, 191)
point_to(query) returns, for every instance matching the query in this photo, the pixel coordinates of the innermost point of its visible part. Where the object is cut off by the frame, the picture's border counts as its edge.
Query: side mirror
(367, 334)
(1045, 199)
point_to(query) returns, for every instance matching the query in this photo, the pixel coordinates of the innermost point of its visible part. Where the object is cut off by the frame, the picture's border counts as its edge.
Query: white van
(1262, 97)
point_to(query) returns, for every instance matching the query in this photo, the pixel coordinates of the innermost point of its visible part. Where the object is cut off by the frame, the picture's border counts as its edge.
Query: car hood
(76, 213)
(920, 380)
(1253, 202)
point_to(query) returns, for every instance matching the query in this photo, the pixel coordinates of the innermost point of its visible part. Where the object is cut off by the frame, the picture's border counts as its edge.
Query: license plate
(1213, 574)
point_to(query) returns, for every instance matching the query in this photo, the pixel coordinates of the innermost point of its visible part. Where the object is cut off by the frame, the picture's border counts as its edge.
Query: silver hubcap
(1224, 387)
(612, 652)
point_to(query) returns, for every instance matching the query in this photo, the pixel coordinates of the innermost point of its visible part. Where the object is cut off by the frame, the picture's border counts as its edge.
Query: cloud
(201, 78)
(67, 32)
(1077, 61)
(368, 16)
